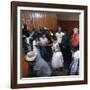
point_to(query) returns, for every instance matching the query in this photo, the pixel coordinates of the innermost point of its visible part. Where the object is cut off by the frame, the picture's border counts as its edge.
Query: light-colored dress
(57, 58)
(75, 63)
(41, 67)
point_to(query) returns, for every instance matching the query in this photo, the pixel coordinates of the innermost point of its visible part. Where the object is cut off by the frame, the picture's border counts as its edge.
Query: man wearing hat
(39, 66)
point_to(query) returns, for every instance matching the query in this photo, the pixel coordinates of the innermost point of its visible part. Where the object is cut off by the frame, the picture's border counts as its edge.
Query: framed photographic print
(48, 44)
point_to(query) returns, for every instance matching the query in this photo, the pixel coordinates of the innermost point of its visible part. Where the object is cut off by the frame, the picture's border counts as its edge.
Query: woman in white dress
(57, 58)
(74, 67)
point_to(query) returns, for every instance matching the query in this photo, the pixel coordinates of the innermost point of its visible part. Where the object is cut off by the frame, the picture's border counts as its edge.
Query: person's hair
(66, 31)
(27, 33)
(77, 29)
(25, 27)
(76, 48)
(37, 37)
(54, 38)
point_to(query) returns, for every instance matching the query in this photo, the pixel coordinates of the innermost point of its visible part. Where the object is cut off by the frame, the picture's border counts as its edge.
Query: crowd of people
(49, 53)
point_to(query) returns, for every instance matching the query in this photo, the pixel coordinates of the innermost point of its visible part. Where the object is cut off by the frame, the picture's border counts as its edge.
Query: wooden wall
(39, 19)
(68, 25)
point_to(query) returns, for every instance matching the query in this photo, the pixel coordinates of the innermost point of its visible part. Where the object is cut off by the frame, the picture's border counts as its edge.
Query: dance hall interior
(48, 23)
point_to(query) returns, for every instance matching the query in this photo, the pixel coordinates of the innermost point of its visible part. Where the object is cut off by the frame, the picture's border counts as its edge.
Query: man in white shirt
(43, 40)
(59, 35)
